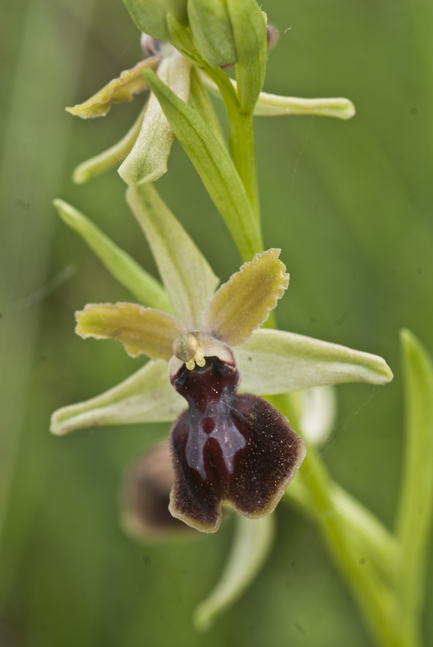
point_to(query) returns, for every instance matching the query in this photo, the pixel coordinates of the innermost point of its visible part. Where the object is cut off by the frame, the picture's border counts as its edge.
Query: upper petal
(141, 330)
(129, 83)
(146, 396)
(275, 361)
(243, 303)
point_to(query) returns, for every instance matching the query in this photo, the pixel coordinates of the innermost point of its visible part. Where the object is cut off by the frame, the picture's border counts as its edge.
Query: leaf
(112, 156)
(146, 396)
(189, 279)
(251, 546)
(249, 31)
(415, 509)
(214, 166)
(120, 90)
(148, 159)
(274, 361)
(140, 283)
(141, 330)
(243, 303)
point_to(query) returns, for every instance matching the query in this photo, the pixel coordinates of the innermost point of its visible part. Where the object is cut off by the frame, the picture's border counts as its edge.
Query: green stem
(242, 148)
(241, 136)
(374, 596)
(369, 537)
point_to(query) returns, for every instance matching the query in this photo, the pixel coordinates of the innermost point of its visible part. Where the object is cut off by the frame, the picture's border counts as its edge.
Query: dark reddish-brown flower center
(227, 447)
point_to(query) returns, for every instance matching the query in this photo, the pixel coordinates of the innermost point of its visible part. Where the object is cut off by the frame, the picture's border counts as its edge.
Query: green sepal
(110, 157)
(150, 16)
(252, 544)
(318, 414)
(128, 272)
(214, 166)
(273, 105)
(189, 279)
(148, 159)
(274, 361)
(211, 29)
(249, 31)
(146, 396)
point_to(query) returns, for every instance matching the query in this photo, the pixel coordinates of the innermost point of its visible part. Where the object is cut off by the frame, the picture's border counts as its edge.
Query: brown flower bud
(146, 495)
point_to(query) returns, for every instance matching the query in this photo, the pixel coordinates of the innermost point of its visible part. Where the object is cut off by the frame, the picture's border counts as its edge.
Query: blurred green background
(350, 205)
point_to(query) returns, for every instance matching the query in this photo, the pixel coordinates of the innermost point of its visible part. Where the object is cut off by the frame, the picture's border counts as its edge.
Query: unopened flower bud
(150, 16)
(146, 496)
(272, 36)
(154, 46)
(212, 31)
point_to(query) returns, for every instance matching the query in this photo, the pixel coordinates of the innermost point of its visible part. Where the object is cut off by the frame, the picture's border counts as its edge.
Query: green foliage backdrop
(349, 203)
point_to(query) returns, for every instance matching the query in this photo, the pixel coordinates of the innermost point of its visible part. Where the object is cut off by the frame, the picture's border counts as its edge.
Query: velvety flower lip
(227, 448)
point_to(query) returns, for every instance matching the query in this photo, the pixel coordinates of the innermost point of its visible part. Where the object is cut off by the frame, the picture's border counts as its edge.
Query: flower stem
(242, 148)
(241, 135)
(375, 597)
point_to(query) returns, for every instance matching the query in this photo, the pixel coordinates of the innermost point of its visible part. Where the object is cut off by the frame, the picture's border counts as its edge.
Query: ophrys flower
(227, 446)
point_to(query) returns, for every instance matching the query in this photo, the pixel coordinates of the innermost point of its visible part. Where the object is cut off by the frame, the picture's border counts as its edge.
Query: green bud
(150, 16)
(210, 26)
(249, 31)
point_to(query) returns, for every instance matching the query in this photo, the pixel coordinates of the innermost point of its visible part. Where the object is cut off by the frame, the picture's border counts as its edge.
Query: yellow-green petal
(146, 396)
(110, 157)
(141, 330)
(120, 90)
(243, 303)
(148, 159)
(187, 276)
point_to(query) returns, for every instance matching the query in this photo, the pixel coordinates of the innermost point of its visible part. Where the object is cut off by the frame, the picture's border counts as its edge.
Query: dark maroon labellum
(228, 448)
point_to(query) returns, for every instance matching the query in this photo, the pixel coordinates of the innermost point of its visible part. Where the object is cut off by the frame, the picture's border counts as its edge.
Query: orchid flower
(144, 150)
(228, 446)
